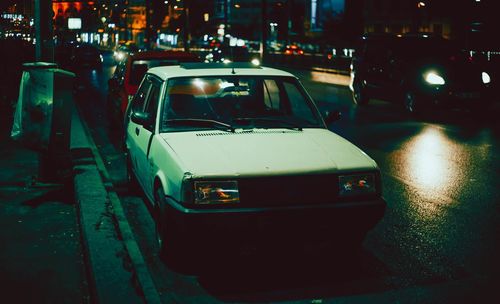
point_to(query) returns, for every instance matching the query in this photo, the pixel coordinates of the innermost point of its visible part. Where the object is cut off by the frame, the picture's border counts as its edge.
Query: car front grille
(288, 190)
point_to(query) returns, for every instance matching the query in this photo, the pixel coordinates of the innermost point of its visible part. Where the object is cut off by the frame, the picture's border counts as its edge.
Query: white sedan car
(231, 153)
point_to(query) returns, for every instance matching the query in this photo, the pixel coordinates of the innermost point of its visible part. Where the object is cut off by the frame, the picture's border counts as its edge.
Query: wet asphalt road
(437, 243)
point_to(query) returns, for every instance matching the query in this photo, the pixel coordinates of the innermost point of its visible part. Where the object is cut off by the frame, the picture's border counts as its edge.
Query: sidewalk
(64, 242)
(41, 258)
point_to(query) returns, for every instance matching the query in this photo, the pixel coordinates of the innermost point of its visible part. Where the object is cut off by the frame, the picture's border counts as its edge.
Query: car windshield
(240, 102)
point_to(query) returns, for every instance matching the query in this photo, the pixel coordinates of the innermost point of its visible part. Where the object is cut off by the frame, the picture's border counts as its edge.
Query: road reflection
(431, 162)
(330, 78)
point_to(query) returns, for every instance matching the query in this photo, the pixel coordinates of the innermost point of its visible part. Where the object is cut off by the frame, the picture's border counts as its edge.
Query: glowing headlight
(226, 60)
(255, 61)
(486, 77)
(434, 78)
(120, 55)
(216, 192)
(354, 185)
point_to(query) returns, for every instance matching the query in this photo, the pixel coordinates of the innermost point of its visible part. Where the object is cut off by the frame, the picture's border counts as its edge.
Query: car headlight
(255, 61)
(434, 78)
(357, 185)
(216, 192)
(486, 77)
(120, 56)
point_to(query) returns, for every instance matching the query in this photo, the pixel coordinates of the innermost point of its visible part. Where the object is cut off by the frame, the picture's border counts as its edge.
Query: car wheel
(169, 240)
(133, 185)
(359, 94)
(160, 219)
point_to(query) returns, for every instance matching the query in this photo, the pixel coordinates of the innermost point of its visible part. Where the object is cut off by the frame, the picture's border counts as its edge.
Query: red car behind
(129, 73)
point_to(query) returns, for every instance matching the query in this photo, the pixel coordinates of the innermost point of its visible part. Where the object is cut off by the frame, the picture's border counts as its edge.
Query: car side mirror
(332, 116)
(140, 118)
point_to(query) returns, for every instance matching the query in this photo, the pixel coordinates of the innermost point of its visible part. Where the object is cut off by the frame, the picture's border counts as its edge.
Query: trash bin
(42, 120)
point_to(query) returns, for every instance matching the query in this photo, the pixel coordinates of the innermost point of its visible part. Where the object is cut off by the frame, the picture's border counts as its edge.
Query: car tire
(359, 94)
(170, 243)
(132, 183)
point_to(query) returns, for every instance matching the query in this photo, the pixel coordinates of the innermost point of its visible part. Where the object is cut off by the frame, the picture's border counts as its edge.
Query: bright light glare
(486, 77)
(226, 84)
(430, 164)
(256, 61)
(434, 78)
(226, 60)
(199, 83)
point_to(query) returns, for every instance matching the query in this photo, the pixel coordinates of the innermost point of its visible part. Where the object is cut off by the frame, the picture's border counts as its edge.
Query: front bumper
(298, 223)
(459, 98)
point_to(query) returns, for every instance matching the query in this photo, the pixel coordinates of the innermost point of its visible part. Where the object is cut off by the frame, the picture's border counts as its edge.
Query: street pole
(44, 47)
(186, 32)
(148, 24)
(263, 43)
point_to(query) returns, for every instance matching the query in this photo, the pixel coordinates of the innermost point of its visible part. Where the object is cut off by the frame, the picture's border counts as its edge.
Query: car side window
(139, 99)
(271, 94)
(152, 103)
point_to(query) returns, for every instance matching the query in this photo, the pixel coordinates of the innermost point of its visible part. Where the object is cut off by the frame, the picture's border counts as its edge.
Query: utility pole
(263, 43)
(148, 24)
(186, 31)
(44, 47)
(226, 20)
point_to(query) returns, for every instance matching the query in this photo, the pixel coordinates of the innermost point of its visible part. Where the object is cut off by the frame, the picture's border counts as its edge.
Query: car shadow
(264, 277)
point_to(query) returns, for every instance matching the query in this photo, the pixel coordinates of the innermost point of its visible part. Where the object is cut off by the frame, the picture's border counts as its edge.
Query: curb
(116, 268)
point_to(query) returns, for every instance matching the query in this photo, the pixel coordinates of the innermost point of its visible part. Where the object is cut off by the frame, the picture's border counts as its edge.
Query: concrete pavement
(41, 257)
(117, 269)
(68, 241)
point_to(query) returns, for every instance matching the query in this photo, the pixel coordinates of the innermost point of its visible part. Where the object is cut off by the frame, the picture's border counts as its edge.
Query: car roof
(167, 72)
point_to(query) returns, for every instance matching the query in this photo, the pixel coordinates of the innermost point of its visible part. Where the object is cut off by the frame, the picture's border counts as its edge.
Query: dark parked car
(85, 56)
(129, 73)
(420, 71)
(232, 54)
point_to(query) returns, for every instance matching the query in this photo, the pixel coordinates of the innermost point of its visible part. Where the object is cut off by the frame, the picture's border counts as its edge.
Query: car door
(133, 129)
(144, 135)
(378, 62)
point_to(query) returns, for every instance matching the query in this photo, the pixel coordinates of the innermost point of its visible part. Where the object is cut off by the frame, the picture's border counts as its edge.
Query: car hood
(269, 152)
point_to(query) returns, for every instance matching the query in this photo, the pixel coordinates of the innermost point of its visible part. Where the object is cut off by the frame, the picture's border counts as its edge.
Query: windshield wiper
(290, 125)
(201, 122)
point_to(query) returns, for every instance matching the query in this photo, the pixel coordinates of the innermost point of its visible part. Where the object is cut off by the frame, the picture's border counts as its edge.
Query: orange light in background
(64, 6)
